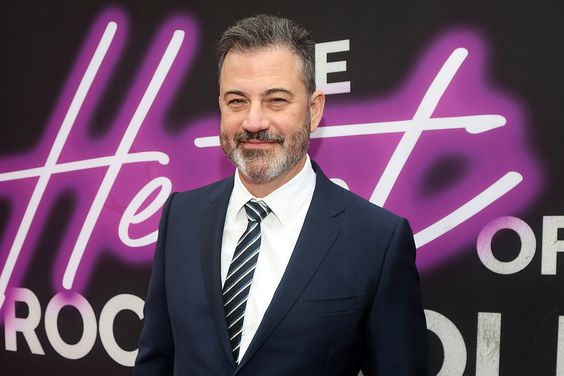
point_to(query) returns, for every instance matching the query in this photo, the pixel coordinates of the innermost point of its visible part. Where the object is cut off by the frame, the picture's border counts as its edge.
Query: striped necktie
(240, 275)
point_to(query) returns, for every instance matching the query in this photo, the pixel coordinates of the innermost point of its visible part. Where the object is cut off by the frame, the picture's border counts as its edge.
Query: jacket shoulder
(362, 207)
(204, 194)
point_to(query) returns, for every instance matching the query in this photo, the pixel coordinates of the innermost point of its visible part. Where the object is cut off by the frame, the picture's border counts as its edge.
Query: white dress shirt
(280, 231)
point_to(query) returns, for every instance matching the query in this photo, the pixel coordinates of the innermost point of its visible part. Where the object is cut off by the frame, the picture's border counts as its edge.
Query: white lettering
(114, 162)
(115, 305)
(27, 325)
(88, 338)
(550, 243)
(488, 344)
(130, 215)
(54, 154)
(123, 149)
(341, 183)
(323, 67)
(526, 253)
(454, 347)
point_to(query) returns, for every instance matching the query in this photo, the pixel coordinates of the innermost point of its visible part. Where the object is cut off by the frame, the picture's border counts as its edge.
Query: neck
(260, 190)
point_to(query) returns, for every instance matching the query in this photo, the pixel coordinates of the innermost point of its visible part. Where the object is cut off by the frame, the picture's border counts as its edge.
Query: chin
(259, 173)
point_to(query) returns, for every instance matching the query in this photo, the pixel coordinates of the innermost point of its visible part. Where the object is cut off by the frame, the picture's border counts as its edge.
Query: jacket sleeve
(156, 345)
(396, 333)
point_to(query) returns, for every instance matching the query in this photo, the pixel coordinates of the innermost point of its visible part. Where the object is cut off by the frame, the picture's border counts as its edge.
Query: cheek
(230, 124)
(288, 123)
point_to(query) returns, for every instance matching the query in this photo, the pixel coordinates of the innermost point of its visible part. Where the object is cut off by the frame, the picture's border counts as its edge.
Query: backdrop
(448, 113)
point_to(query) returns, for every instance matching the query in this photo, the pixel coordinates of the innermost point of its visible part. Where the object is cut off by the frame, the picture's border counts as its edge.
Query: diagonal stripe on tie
(240, 274)
(246, 249)
(245, 279)
(241, 270)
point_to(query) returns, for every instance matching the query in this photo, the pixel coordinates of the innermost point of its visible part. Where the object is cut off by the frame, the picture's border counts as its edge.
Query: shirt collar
(284, 201)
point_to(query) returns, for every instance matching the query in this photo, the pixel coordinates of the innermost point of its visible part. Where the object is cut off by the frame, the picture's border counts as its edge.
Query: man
(276, 270)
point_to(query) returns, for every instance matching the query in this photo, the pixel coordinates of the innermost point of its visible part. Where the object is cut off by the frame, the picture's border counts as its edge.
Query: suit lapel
(211, 233)
(319, 232)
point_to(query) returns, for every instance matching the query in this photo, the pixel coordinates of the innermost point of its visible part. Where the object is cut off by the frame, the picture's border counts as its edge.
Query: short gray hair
(263, 31)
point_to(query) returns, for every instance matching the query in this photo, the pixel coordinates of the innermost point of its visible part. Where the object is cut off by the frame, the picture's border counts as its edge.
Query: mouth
(257, 144)
(259, 140)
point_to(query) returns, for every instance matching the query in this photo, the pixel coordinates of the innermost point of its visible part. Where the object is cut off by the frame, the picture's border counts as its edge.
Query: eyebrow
(277, 90)
(265, 93)
(234, 92)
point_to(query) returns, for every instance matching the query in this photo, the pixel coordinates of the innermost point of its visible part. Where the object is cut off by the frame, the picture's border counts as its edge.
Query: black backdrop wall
(449, 113)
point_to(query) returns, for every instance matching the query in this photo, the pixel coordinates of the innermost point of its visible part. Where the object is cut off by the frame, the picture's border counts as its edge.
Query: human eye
(236, 102)
(277, 101)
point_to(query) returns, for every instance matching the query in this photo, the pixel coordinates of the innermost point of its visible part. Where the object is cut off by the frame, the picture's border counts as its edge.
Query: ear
(317, 105)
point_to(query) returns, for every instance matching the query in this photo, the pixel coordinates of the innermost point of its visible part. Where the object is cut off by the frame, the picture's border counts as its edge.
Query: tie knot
(256, 210)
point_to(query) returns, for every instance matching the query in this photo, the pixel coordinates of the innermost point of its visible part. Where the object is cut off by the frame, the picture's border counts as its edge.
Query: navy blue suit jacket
(349, 298)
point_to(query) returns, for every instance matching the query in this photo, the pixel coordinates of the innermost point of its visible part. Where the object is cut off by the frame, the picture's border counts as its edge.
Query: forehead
(275, 66)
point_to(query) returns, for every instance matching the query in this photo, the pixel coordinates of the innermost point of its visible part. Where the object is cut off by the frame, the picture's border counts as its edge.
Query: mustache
(263, 135)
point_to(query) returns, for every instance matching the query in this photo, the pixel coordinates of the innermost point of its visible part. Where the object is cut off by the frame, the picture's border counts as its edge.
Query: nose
(256, 119)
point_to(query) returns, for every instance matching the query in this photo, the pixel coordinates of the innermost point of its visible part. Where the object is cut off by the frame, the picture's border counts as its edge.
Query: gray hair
(262, 31)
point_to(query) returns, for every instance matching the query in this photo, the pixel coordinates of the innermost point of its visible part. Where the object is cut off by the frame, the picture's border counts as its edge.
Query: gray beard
(264, 166)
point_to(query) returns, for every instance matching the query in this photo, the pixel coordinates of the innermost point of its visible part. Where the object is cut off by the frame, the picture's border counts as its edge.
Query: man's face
(266, 113)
